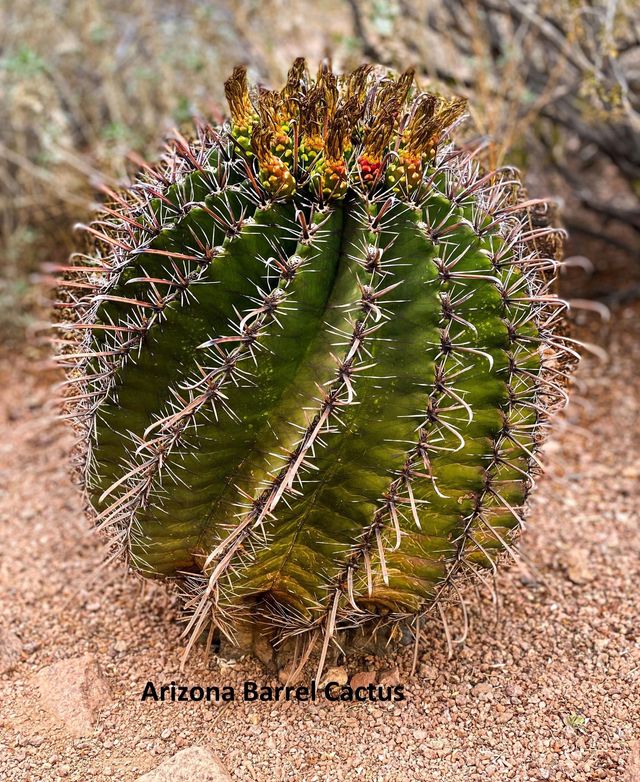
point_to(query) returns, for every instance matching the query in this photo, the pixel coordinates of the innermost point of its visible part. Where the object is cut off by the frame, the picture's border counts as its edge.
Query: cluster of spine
(311, 357)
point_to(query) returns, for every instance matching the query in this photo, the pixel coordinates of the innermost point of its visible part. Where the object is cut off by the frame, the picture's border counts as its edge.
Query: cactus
(311, 357)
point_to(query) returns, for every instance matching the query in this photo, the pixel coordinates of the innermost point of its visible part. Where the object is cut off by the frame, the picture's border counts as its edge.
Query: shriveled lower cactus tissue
(311, 357)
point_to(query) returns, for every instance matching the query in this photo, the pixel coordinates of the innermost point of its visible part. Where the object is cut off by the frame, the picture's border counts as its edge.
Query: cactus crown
(326, 135)
(311, 358)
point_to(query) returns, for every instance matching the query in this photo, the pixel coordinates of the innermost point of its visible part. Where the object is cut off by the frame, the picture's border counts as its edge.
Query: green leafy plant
(311, 358)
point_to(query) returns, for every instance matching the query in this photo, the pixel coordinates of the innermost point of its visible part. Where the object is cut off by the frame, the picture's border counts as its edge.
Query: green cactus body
(312, 358)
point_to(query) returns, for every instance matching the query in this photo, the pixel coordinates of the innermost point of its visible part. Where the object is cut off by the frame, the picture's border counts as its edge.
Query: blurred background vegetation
(85, 85)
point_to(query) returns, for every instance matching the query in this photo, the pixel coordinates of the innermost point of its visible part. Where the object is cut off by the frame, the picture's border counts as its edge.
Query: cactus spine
(311, 358)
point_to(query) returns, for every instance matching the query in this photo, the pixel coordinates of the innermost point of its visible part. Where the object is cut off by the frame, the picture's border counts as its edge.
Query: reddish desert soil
(548, 691)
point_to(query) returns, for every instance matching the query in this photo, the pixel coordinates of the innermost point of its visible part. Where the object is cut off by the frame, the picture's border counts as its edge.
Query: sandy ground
(549, 691)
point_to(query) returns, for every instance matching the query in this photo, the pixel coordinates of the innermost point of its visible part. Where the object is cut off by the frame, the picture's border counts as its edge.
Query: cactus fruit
(311, 357)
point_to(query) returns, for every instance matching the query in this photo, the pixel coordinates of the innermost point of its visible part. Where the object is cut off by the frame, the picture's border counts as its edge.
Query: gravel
(545, 688)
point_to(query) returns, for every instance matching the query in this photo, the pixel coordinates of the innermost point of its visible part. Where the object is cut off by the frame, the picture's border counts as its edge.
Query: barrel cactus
(311, 356)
